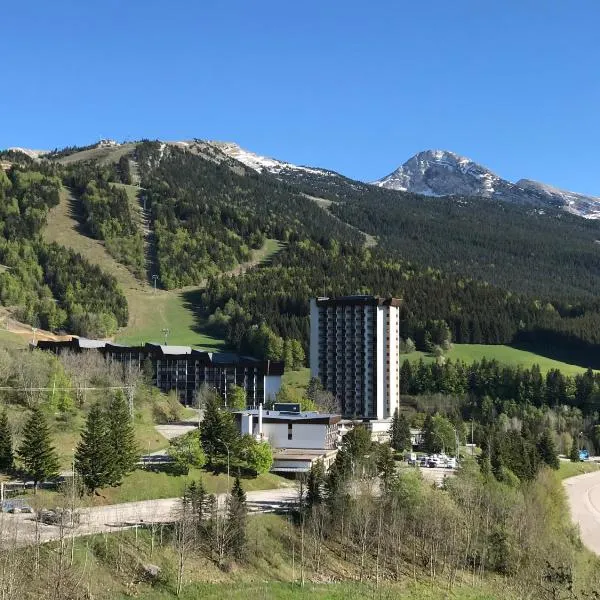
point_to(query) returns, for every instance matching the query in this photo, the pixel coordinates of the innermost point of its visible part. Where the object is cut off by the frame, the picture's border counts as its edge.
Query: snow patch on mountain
(262, 164)
(443, 173)
(29, 152)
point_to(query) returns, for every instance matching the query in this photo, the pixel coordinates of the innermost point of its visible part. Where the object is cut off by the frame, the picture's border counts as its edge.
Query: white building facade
(298, 439)
(354, 351)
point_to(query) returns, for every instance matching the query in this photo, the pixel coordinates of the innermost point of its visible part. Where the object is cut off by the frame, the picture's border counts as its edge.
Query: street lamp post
(154, 279)
(166, 332)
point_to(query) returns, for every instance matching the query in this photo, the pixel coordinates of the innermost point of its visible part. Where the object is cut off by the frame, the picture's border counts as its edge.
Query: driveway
(583, 492)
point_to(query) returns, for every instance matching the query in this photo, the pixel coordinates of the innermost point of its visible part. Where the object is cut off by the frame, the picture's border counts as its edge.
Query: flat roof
(273, 416)
(358, 299)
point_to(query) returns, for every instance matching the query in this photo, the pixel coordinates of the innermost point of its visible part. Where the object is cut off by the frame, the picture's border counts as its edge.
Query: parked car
(451, 463)
(433, 462)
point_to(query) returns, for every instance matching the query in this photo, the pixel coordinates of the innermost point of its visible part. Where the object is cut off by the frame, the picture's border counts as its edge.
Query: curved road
(583, 492)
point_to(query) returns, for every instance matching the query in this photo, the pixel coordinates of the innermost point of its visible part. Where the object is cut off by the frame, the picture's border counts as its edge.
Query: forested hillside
(105, 210)
(46, 284)
(208, 212)
(208, 216)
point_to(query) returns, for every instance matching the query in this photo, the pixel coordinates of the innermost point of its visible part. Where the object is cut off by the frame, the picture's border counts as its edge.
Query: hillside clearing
(102, 154)
(504, 354)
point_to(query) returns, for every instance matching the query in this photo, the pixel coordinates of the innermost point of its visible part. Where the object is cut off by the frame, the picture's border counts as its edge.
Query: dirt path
(583, 493)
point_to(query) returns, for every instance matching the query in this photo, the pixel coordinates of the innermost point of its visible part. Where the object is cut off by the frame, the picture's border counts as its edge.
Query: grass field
(297, 380)
(571, 469)
(503, 354)
(104, 155)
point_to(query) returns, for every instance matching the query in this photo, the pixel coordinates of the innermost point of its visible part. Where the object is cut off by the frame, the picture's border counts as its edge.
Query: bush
(167, 409)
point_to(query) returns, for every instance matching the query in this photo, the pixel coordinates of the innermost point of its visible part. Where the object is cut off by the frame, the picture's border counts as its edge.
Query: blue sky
(358, 87)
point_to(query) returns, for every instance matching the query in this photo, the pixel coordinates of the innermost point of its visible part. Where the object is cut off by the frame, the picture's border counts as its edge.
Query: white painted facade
(308, 430)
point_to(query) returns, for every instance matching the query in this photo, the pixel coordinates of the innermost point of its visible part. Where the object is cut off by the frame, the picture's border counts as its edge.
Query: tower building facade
(354, 351)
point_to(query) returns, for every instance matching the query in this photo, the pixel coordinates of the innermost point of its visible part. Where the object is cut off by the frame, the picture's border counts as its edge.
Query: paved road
(20, 529)
(583, 492)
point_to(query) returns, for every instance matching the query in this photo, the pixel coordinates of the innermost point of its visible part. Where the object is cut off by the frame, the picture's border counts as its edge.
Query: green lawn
(276, 590)
(297, 380)
(504, 354)
(11, 340)
(167, 310)
(150, 485)
(570, 469)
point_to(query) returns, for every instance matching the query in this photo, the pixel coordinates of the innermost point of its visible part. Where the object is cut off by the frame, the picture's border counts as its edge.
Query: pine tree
(122, 436)
(574, 454)
(6, 444)
(36, 450)
(400, 438)
(95, 456)
(428, 436)
(237, 516)
(218, 431)
(547, 450)
(314, 484)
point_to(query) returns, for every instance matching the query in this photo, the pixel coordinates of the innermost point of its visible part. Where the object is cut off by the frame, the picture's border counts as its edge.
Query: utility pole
(154, 279)
(166, 332)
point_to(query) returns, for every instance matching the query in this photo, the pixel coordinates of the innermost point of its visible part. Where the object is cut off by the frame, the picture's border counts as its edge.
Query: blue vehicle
(584, 455)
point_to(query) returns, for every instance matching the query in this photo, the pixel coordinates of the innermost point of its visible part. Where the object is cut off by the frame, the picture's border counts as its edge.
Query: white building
(354, 351)
(298, 438)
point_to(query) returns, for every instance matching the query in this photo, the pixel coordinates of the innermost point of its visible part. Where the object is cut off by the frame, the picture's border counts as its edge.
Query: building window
(289, 431)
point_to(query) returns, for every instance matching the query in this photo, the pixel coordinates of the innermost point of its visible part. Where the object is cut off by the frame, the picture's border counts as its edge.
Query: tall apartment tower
(354, 351)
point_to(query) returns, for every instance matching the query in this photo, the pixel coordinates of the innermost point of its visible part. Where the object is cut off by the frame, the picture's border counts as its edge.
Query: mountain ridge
(442, 173)
(435, 173)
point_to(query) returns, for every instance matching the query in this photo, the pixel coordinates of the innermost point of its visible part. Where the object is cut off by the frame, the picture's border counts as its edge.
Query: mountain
(444, 173)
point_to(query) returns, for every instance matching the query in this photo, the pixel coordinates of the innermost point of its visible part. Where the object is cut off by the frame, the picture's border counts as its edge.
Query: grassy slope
(149, 311)
(503, 354)
(570, 469)
(271, 571)
(103, 155)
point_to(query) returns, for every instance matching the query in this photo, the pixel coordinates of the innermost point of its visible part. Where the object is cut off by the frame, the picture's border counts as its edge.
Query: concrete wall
(272, 386)
(303, 436)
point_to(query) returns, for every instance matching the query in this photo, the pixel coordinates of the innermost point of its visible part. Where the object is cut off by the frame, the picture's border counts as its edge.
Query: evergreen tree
(547, 450)
(405, 377)
(6, 444)
(36, 451)
(237, 516)
(400, 438)
(122, 437)
(427, 435)
(95, 456)
(385, 464)
(314, 484)
(574, 453)
(218, 431)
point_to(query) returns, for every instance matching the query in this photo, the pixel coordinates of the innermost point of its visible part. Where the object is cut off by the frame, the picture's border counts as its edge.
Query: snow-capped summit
(444, 173)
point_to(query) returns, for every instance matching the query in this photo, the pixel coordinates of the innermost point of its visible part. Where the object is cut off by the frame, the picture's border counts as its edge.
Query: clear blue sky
(355, 86)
